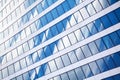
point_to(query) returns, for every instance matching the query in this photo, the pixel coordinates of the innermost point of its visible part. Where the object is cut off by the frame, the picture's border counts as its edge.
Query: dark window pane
(108, 41)
(110, 63)
(113, 18)
(101, 46)
(116, 58)
(99, 25)
(102, 65)
(115, 38)
(87, 71)
(106, 22)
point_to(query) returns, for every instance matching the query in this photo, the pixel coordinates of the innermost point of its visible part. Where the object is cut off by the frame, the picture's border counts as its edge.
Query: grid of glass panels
(115, 77)
(60, 10)
(25, 18)
(69, 58)
(80, 73)
(92, 69)
(76, 36)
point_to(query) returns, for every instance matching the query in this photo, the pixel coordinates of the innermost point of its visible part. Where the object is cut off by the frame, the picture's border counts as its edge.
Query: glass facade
(38, 38)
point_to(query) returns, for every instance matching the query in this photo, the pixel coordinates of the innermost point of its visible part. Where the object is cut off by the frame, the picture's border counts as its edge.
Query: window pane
(108, 41)
(79, 74)
(29, 60)
(86, 51)
(32, 74)
(84, 13)
(106, 22)
(100, 45)
(23, 63)
(11, 69)
(102, 65)
(20, 50)
(93, 48)
(5, 72)
(92, 28)
(78, 16)
(72, 57)
(59, 62)
(99, 25)
(52, 65)
(66, 60)
(85, 31)
(116, 58)
(113, 18)
(35, 57)
(14, 53)
(79, 35)
(72, 75)
(64, 76)
(104, 3)
(94, 68)
(115, 38)
(87, 71)
(26, 76)
(79, 54)
(90, 9)
(17, 66)
(97, 5)
(110, 63)
(72, 38)
(25, 47)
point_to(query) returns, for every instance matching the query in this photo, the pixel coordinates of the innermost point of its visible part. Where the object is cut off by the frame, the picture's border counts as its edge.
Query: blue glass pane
(72, 3)
(47, 51)
(79, 74)
(102, 65)
(85, 31)
(60, 27)
(110, 63)
(99, 25)
(37, 40)
(26, 3)
(60, 10)
(66, 6)
(54, 30)
(38, 24)
(39, 71)
(116, 77)
(35, 57)
(31, 1)
(106, 22)
(92, 28)
(118, 32)
(24, 19)
(108, 41)
(54, 13)
(112, 1)
(32, 74)
(50, 2)
(115, 38)
(48, 34)
(43, 20)
(87, 71)
(113, 18)
(41, 54)
(44, 4)
(116, 58)
(117, 11)
(49, 17)
(39, 8)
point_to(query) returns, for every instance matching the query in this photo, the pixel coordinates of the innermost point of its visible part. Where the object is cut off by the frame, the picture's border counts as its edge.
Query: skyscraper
(59, 40)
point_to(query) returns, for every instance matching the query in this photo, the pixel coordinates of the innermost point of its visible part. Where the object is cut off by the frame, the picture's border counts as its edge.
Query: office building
(59, 40)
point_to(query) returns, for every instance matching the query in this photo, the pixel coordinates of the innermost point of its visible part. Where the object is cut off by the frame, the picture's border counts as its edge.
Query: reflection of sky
(49, 51)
